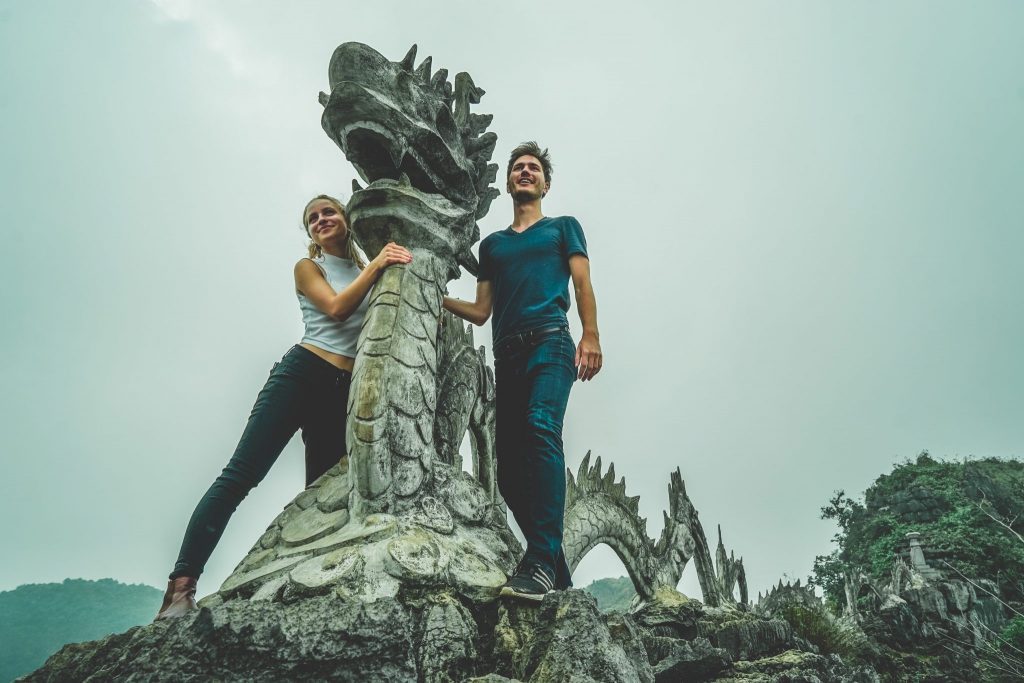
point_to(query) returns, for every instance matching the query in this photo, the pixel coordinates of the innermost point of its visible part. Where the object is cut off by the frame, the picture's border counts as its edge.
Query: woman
(307, 390)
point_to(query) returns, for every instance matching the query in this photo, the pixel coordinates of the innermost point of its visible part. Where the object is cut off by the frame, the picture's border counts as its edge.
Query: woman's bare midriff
(336, 359)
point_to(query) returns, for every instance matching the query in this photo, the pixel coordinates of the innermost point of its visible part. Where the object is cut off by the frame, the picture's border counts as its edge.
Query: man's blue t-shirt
(529, 273)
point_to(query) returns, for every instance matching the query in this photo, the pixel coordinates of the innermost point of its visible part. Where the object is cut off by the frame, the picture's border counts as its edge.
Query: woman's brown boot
(180, 598)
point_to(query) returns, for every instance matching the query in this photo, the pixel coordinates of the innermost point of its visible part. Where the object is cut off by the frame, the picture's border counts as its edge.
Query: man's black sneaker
(530, 582)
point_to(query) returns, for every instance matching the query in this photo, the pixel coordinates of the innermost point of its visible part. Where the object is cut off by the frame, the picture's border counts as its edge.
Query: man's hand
(589, 358)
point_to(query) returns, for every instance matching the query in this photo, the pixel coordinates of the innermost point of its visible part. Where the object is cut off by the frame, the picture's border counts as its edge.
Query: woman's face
(325, 222)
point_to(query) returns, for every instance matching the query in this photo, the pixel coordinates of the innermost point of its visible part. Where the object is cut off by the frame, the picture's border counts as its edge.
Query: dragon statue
(597, 510)
(424, 155)
(404, 510)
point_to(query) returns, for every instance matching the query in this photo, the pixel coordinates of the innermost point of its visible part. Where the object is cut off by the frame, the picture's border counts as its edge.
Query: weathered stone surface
(307, 497)
(432, 513)
(695, 660)
(312, 524)
(305, 626)
(565, 639)
(792, 665)
(416, 556)
(447, 641)
(469, 502)
(371, 527)
(685, 640)
(334, 492)
(670, 613)
(271, 537)
(744, 635)
(322, 638)
(241, 580)
(327, 570)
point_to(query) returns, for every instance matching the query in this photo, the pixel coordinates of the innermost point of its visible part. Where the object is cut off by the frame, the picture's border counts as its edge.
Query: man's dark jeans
(303, 392)
(533, 375)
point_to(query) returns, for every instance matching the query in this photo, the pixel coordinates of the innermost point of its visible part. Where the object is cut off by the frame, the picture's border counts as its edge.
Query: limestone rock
(325, 638)
(566, 639)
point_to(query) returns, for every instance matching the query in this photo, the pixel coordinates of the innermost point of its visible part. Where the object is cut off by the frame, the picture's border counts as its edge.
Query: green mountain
(968, 514)
(613, 595)
(37, 619)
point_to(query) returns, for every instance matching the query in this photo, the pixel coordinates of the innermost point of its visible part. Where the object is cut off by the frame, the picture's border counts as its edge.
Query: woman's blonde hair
(351, 251)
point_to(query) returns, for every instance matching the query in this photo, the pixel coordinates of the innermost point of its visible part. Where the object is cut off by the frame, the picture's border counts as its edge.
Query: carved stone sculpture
(404, 510)
(597, 510)
(425, 157)
(404, 513)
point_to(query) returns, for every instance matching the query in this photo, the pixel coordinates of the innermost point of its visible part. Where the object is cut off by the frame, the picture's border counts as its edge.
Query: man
(523, 279)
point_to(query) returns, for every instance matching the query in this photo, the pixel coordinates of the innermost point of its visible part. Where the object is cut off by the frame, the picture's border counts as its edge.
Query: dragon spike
(423, 71)
(466, 93)
(478, 123)
(584, 467)
(609, 477)
(403, 179)
(356, 186)
(488, 195)
(409, 59)
(481, 148)
(439, 80)
(490, 173)
(597, 469)
(323, 98)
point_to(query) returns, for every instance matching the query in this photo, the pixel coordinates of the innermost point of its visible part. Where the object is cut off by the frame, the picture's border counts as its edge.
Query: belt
(522, 339)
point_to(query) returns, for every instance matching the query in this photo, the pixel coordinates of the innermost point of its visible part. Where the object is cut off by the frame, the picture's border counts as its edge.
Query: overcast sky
(804, 219)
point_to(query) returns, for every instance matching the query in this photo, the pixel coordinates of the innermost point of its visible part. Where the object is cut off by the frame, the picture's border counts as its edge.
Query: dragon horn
(409, 58)
(439, 80)
(423, 72)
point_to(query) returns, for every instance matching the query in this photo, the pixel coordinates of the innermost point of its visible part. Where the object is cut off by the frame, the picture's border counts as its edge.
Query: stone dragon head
(412, 138)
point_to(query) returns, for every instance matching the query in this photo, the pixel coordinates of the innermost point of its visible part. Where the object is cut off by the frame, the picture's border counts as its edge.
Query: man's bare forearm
(586, 305)
(470, 312)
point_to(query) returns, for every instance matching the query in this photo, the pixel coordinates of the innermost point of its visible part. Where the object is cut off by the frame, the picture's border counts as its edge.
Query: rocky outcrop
(443, 636)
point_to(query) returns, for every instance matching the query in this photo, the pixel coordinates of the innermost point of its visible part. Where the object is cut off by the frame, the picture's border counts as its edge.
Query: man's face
(526, 182)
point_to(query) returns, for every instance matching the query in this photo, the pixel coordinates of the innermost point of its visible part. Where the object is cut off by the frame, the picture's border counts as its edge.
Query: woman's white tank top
(323, 331)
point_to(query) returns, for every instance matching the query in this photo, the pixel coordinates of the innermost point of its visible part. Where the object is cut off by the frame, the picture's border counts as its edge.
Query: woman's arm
(476, 312)
(311, 282)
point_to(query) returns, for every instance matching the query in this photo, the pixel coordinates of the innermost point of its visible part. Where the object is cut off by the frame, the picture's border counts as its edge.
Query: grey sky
(804, 221)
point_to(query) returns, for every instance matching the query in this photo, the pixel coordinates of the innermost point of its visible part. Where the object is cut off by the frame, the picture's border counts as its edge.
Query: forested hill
(613, 595)
(37, 619)
(969, 514)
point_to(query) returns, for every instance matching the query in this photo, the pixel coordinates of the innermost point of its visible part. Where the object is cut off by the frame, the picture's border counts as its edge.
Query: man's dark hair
(534, 150)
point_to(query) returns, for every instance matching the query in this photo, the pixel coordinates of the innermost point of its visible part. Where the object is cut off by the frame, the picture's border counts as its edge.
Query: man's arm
(589, 358)
(477, 312)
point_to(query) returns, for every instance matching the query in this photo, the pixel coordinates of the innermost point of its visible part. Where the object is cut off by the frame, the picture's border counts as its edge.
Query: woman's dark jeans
(303, 392)
(533, 376)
